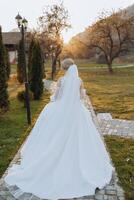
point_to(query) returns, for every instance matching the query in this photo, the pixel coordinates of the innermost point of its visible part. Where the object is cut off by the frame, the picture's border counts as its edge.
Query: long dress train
(64, 155)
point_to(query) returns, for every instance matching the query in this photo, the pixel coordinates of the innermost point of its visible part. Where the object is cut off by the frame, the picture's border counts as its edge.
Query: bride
(64, 155)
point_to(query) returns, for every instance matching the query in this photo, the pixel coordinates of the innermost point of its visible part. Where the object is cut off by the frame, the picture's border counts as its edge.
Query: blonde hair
(66, 63)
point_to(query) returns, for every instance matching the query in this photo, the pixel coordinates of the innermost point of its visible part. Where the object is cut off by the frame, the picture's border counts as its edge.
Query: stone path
(112, 191)
(110, 126)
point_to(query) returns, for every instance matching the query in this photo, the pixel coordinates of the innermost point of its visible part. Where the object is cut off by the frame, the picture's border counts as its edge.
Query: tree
(36, 71)
(30, 57)
(7, 63)
(4, 102)
(110, 34)
(21, 62)
(51, 24)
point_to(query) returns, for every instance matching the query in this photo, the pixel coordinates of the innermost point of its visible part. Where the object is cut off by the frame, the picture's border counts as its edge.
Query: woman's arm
(55, 89)
(83, 96)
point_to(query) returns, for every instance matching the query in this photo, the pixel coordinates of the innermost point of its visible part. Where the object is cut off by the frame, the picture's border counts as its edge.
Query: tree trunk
(110, 69)
(54, 61)
(59, 63)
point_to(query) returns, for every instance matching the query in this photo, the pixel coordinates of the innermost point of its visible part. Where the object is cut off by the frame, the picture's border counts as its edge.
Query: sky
(82, 12)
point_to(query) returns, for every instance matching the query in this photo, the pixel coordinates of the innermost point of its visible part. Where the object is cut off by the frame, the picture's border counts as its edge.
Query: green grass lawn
(111, 93)
(122, 153)
(13, 68)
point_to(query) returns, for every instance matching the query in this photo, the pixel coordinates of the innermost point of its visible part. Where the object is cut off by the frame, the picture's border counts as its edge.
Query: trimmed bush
(7, 63)
(4, 102)
(21, 62)
(36, 71)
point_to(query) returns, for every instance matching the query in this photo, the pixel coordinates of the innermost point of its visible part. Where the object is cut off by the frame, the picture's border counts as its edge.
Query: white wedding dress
(64, 155)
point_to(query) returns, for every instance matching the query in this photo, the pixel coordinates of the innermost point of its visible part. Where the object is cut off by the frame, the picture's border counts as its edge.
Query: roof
(11, 37)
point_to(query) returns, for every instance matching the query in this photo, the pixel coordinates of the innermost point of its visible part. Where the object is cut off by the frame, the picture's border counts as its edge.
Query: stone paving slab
(110, 126)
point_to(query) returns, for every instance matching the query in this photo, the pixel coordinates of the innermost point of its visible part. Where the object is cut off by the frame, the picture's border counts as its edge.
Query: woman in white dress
(64, 155)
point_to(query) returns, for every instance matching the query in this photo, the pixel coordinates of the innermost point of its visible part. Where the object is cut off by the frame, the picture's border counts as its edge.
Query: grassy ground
(111, 93)
(13, 68)
(122, 153)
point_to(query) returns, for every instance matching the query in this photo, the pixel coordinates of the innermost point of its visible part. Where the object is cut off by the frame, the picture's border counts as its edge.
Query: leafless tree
(110, 34)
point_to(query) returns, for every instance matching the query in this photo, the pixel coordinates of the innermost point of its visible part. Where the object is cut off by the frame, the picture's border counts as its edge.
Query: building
(11, 40)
